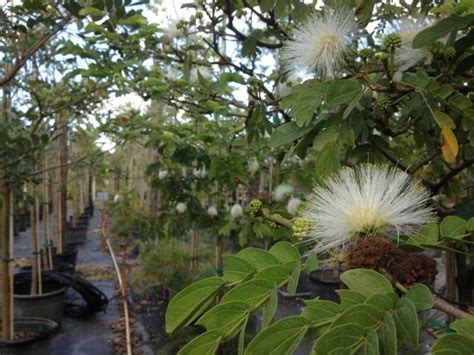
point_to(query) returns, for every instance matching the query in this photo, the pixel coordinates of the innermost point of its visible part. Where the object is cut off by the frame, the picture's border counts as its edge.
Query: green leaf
(276, 273)
(364, 315)
(280, 338)
(92, 12)
(311, 262)
(453, 226)
(327, 161)
(186, 306)
(384, 302)
(285, 252)
(342, 91)
(350, 298)
(388, 336)
(441, 29)
(353, 104)
(371, 344)
(464, 326)
(236, 268)
(367, 282)
(406, 322)
(294, 278)
(428, 234)
(460, 101)
(421, 297)
(470, 224)
(254, 293)
(453, 344)
(320, 312)
(443, 120)
(266, 5)
(227, 318)
(259, 258)
(304, 99)
(343, 338)
(328, 135)
(205, 344)
(270, 308)
(287, 133)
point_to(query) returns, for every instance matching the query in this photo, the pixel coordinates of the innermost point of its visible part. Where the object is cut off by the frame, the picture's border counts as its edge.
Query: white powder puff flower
(200, 173)
(118, 198)
(406, 56)
(282, 191)
(320, 43)
(212, 211)
(236, 211)
(162, 174)
(366, 200)
(293, 204)
(172, 29)
(253, 166)
(181, 207)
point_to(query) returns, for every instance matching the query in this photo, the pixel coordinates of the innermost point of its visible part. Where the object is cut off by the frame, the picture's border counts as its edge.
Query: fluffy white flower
(172, 29)
(320, 43)
(162, 174)
(282, 191)
(293, 204)
(212, 211)
(253, 166)
(366, 200)
(200, 173)
(406, 56)
(118, 198)
(181, 207)
(236, 211)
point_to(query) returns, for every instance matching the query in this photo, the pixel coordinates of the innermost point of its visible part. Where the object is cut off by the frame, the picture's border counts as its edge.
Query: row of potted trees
(38, 299)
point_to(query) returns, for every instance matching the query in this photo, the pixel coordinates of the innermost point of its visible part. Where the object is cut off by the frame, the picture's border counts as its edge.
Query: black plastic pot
(66, 258)
(37, 344)
(22, 221)
(16, 227)
(41, 212)
(27, 217)
(89, 211)
(75, 235)
(324, 283)
(48, 305)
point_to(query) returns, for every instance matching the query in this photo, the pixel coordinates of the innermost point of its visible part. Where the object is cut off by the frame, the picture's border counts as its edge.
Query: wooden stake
(123, 291)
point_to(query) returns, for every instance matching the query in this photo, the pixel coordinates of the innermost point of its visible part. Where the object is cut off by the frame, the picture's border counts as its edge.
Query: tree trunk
(5, 259)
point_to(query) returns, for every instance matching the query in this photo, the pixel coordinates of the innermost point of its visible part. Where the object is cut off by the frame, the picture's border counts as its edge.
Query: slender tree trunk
(5, 259)
(46, 217)
(35, 260)
(194, 249)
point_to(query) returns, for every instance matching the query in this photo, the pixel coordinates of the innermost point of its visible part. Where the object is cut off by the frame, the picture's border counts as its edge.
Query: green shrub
(167, 263)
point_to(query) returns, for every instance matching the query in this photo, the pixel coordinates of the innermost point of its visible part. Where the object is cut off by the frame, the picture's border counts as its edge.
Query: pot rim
(33, 321)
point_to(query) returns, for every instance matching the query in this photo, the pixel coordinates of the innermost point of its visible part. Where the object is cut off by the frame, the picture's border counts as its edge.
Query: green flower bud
(382, 55)
(366, 53)
(255, 206)
(392, 41)
(384, 102)
(300, 227)
(449, 52)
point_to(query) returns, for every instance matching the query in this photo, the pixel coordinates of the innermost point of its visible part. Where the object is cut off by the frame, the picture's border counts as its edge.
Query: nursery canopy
(239, 145)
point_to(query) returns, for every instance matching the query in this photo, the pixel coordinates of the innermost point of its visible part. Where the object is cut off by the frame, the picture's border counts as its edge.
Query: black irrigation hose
(93, 299)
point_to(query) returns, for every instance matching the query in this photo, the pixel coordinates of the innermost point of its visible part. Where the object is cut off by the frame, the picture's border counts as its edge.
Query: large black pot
(48, 305)
(75, 235)
(37, 344)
